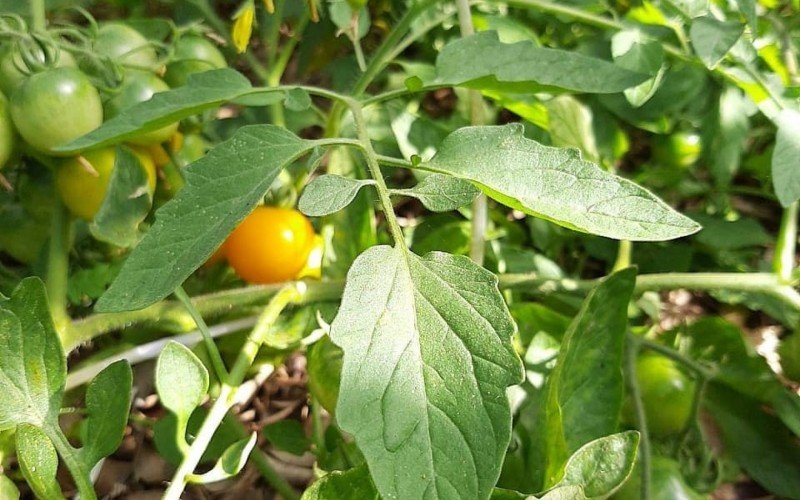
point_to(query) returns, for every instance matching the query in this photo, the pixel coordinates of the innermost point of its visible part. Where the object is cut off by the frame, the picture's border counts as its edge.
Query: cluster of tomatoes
(53, 91)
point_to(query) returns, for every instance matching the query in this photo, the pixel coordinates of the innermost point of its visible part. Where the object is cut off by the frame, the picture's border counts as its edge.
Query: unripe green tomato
(667, 395)
(82, 192)
(139, 86)
(125, 45)
(193, 54)
(10, 62)
(54, 107)
(679, 150)
(789, 352)
(666, 483)
(324, 367)
(6, 132)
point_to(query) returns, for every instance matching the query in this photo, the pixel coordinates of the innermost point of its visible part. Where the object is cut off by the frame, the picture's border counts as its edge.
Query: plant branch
(58, 269)
(208, 341)
(631, 355)
(786, 246)
(73, 462)
(38, 15)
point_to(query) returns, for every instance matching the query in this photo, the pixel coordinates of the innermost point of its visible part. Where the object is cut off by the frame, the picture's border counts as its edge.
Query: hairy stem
(58, 269)
(73, 462)
(208, 341)
(631, 355)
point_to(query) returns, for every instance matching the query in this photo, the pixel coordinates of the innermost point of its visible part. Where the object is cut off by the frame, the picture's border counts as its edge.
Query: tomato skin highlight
(82, 192)
(10, 75)
(54, 107)
(667, 395)
(140, 86)
(6, 132)
(125, 45)
(678, 150)
(193, 54)
(271, 245)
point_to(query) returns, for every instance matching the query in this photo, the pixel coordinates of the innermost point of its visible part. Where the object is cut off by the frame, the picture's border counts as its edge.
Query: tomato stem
(208, 341)
(38, 15)
(58, 269)
(785, 248)
(632, 347)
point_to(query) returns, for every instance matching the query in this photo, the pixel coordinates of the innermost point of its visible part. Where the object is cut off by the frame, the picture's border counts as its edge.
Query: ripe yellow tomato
(271, 245)
(82, 191)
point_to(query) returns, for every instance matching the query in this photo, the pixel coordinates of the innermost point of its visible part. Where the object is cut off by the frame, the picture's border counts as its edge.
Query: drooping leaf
(482, 62)
(764, 448)
(33, 367)
(181, 380)
(786, 158)
(205, 90)
(127, 202)
(287, 435)
(221, 189)
(632, 50)
(353, 483)
(230, 463)
(427, 359)
(584, 393)
(441, 193)
(38, 461)
(601, 466)
(712, 38)
(108, 400)
(329, 193)
(557, 185)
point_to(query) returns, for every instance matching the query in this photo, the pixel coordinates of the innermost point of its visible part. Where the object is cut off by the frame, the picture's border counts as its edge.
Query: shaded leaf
(221, 189)
(297, 100)
(329, 193)
(205, 90)
(108, 400)
(427, 359)
(570, 125)
(482, 62)
(33, 367)
(441, 193)
(353, 483)
(556, 184)
(181, 380)
(712, 38)
(786, 158)
(127, 202)
(632, 50)
(287, 435)
(38, 461)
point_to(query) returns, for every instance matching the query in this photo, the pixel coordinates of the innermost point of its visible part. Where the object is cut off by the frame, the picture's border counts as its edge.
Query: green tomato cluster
(57, 102)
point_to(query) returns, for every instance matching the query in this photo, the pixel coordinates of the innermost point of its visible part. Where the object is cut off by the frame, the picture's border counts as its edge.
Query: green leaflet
(601, 466)
(441, 193)
(785, 163)
(556, 184)
(427, 359)
(353, 483)
(108, 401)
(126, 204)
(712, 38)
(38, 461)
(584, 393)
(203, 91)
(221, 189)
(483, 62)
(329, 193)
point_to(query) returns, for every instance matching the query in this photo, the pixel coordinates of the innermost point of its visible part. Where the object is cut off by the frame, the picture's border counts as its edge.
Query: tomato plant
(470, 250)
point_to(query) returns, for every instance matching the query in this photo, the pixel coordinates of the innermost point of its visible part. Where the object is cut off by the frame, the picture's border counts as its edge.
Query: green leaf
(441, 193)
(748, 10)
(354, 483)
(570, 125)
(584, 393)
(221, 189)
(712, 38)
(631, 49)
(8, 490)
(181, 380)
(329, 193)
(557, 185)
(297, 100)
(205, 90)
(601, 466)
(33, 367)
(126, 204)
(786, 158)
(427, 359)
(287, 435)
(230, 463)
(108, 400)
(482, 61)
(764, 448)
(38, 461)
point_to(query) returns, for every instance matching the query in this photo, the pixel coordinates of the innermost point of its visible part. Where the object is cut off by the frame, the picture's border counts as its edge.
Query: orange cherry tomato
(271, 245)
